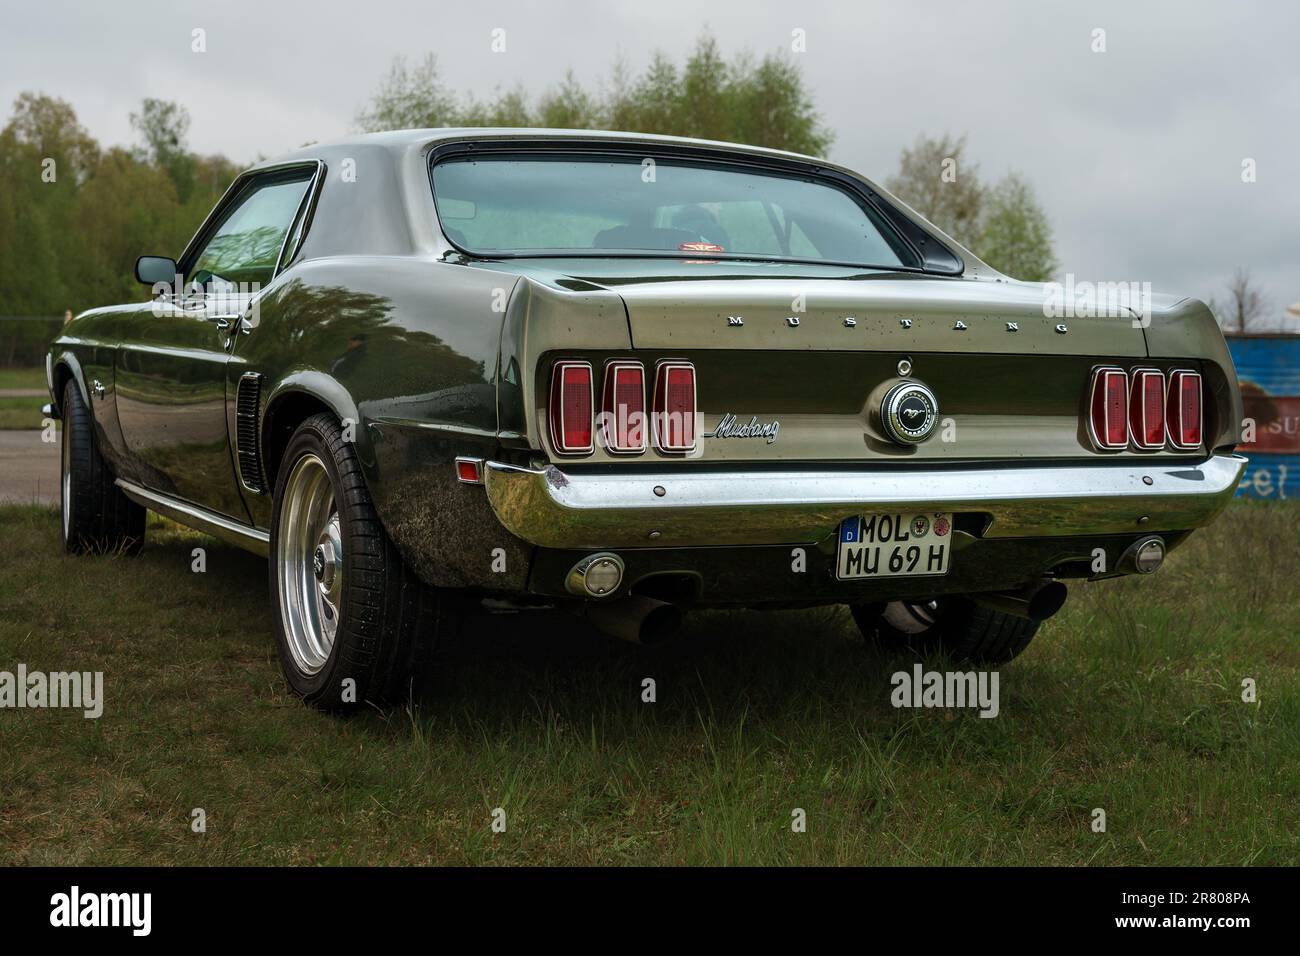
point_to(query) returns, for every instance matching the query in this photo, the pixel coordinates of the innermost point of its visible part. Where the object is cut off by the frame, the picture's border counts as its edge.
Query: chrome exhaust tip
(1144, 556)
(595, 576)
(1034, 603)
(636, 619)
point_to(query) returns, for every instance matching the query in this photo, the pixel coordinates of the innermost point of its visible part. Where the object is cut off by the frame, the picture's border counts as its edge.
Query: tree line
(762, 102)
(75, 214)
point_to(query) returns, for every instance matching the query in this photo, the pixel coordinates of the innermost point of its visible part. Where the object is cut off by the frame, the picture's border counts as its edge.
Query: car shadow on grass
(727, 666)
(512, 671)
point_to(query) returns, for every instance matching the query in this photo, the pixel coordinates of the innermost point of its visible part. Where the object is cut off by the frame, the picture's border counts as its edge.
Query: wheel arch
(291, 402)
(67, 368)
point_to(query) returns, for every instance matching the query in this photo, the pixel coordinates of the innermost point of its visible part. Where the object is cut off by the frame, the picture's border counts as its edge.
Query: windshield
(520, 205)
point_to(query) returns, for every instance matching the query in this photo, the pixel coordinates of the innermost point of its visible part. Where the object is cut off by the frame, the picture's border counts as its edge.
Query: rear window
(566, 205)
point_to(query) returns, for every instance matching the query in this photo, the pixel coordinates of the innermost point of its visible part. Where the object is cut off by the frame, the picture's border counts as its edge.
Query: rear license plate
(894, 544)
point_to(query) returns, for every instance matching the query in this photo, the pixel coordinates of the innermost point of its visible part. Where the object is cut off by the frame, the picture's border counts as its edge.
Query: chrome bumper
(558, 509)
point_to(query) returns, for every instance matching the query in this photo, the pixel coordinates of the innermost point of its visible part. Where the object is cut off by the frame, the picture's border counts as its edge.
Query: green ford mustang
(629, 375)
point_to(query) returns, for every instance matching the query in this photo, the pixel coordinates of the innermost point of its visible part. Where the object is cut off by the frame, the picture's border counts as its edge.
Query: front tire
(96, 517)
(353, 623)
(958, 626)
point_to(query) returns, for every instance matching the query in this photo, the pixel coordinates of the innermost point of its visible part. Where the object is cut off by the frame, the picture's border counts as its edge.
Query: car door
(170, 376)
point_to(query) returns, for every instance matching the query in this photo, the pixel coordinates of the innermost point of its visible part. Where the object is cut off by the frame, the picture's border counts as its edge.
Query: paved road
(29, 468)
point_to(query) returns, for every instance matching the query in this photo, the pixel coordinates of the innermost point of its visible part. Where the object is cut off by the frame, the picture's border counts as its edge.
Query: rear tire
(353, 622)
(96, 517)
(956, 625)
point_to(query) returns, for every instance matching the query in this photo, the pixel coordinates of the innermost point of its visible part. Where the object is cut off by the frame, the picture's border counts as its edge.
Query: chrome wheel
(309, 552)
(911, 617)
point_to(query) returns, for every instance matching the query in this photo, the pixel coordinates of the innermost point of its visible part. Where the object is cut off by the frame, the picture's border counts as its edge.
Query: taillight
(1146, 409)
(571, 408)
(1108, 415)
(1183, 410)
(674, 407)
(622, 416)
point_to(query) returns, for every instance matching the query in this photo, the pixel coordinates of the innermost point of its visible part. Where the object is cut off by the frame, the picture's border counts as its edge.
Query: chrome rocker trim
(552, 508)
(192, 516)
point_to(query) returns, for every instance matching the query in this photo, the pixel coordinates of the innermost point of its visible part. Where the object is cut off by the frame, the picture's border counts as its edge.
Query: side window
(246, 244)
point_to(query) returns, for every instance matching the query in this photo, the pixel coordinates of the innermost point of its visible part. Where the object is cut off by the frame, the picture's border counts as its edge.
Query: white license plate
(894, 544)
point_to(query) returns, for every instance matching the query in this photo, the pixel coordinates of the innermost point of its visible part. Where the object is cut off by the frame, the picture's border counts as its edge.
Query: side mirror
(152, 270)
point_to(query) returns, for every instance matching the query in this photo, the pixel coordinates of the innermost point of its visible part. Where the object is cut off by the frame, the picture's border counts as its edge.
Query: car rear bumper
(554, 508)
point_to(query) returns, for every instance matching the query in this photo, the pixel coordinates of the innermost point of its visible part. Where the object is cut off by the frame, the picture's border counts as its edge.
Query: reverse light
(1108, 409)
(1183, 410)
(674, 407)
(1146, 409)
(571, 408)
(622, 417)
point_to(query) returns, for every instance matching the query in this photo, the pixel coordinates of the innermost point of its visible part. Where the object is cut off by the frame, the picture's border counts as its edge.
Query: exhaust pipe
(1034, 603)
(640, 620)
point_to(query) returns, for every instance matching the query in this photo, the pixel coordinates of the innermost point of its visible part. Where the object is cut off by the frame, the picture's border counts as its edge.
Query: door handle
(242, 326)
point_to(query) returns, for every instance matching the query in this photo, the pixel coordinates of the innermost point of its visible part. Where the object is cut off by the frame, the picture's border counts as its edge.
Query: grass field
(1129, 701)
(22, 378)
(22, 412)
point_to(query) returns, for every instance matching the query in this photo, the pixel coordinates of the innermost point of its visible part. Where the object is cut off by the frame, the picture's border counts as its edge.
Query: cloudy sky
(1136, 153)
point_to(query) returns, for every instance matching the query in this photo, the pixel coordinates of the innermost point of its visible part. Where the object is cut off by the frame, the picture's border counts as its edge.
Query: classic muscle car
(627, 375)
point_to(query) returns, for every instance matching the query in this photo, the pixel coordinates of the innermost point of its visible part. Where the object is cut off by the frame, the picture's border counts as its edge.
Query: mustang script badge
(731, 427)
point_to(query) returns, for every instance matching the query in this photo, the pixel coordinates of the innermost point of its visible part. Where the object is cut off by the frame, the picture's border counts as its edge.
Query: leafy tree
(49, 126)
(164, 127)
(45, 155)
(567, 106)
(69, 238)
(935, 179)
(763, 102)
(1002, 224)
(412, 98)
(126, 209)
(1015, 236)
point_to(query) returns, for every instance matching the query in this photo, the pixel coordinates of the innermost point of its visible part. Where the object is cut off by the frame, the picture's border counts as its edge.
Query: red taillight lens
(1108, 417)
(1184, 410)
(622, 417)
(1146, 409)
(571, 408)
(674, 407)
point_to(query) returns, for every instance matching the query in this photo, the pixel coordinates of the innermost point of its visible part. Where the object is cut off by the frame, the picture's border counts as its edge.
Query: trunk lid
(792, 361)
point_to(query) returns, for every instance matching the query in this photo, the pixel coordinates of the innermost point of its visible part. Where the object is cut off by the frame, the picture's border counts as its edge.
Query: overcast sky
(1136, 153)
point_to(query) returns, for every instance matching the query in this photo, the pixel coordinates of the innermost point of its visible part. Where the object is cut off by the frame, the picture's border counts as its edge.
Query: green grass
(1129, 700)
(21, 413)
(22, 378)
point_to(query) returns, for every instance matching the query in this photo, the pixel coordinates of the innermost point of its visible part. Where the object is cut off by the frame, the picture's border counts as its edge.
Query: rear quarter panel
(405, 348)
(1187, 332)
